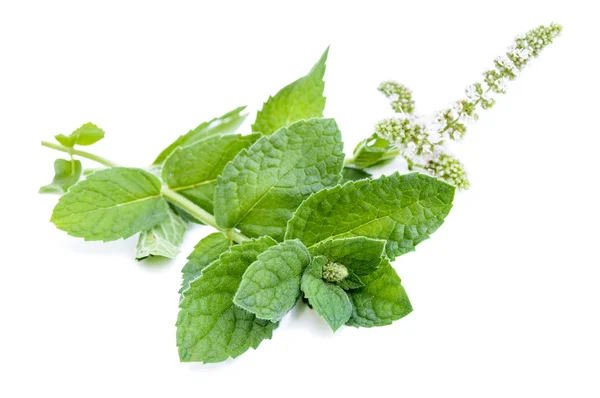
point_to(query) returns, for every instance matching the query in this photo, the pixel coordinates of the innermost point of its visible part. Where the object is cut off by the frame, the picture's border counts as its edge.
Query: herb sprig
(290, 220)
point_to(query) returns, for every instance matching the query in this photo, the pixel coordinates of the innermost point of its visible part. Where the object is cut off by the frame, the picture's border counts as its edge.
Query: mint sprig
(289, 220)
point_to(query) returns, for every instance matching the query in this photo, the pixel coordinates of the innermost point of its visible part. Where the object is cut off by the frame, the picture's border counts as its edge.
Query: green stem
(82, 154)
(349, 161)
(201, 214)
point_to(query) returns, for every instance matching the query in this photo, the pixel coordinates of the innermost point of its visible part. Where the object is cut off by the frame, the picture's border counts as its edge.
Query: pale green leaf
(374, 151)
(226, 124)
(402, 209)
(359, 254)
(87, 134)
(381, 301)
(271, 285)
(302, 99)
(261, 187)
(192, 170)
(164, 239)
(205, 252)
(210, 328)
(111, 204)
(66, 173)
(352, 174)
(329, 300)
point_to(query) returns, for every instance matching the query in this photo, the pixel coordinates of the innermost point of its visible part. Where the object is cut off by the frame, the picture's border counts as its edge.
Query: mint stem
(201, 214)
(77, 152)
(171, 196)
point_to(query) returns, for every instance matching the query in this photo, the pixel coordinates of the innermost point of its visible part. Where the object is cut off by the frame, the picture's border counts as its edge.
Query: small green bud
(334, 272)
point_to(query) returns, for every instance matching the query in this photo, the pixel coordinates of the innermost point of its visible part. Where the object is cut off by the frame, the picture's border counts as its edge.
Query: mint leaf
(271, 285)
(87, 134)
(359, 254)
(210, 328)
(374, 151)
(381, 301)
(192, 170)
(329, 300)
(403, 209)
(66, 173)
(302, 99)
(352, 281)
(226, 124)
(352, 174)
(111, 204)
(162, 240)
(205, 252)
(261, 187)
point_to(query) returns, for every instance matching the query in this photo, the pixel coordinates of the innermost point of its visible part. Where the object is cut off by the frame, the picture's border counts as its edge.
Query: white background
(506, 294)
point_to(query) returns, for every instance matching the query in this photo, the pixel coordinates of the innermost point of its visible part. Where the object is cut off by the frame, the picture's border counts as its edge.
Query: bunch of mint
(292, 222)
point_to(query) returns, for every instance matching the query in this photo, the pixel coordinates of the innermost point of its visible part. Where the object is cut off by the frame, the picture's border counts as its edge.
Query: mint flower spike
(404, 132)
(453, 122)
(399, 95)
(449, 169)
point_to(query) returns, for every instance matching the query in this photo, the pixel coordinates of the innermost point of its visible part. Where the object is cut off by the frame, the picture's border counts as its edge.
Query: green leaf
(302, 99)
(205, 252)
(210, 328)
(359, 254)
(226, 124)
(374, 151)
(403, 209)
(162, 240)
(271, 285)
(66, 173)
(329, 300)
(87, 134)
(111, 204)
(381, 301)
(192, 170)
(261, 187)
(352, 281)
(352, 174)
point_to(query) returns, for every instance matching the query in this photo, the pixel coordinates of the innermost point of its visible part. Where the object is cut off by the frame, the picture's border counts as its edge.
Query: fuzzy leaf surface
(261, 187)
(164, 239)
(271, 285)
(359, 254)
(402, 209)
(329, 300)
(192, 170)
(300, 100)
(381, 301)
(205, 252)
(210, 328)
(66, 174)
(111, 204)
(226, 124)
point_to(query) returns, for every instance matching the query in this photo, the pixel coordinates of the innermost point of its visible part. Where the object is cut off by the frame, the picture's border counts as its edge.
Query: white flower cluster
(420, 140)
(400, 96)
(450, 170)
(403, 132)
(453, 122)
